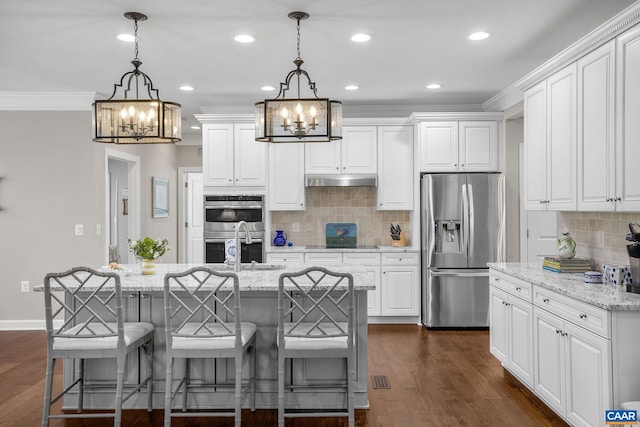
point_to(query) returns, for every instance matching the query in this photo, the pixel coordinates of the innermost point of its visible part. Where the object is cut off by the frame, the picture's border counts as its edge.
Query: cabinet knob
(518, 288)
(230, 180)
(545, 300)
(455, 165)
(462, 165)
(496, 279)
(133, 295)
(337, 167)
(618, 199)
(558, 331)
(583, 316)
(145, 295)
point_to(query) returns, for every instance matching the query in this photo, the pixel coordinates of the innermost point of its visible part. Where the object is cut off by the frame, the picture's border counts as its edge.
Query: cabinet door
(588, 376)
(359, 149)
(371, 263)
(535, 147)
(395, 168)
(561, 139)
(323, 258)
(250, 165)
(323, 157)
(478, 146)
(549, 359)
(521, 339)
(217, 155)
(439, 146)
(399, 285)
(498, 324)
(596, 90)
(628, 125)
(286, 177)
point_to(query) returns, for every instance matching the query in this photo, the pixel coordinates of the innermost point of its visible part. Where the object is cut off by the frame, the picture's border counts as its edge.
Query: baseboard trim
(22, 325)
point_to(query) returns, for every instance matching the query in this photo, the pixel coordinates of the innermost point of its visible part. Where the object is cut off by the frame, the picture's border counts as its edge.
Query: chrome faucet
(236, 267)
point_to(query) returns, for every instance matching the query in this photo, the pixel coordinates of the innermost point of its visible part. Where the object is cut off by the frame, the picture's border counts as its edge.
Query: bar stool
(316, 320)
(202, 318)
(87, 323)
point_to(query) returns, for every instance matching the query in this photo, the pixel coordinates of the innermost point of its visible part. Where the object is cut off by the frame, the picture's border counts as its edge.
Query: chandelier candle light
(130, 119)
(298, 119)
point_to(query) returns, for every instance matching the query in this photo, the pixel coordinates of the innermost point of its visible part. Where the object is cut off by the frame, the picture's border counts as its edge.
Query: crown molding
(428, 116)
(601, 35)
(504, 100)
(46, 101)
(225, 118)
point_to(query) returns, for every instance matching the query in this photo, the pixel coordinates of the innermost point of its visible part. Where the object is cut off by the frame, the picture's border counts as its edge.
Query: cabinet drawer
(511, 285)
(582, 314)
(322, 258)
(361, 259)
(289, 258)
(400, 258)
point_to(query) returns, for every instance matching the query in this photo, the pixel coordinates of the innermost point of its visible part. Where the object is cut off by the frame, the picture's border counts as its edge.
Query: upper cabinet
(355, 153)
(550, 143)
(596, 126)
(232, 157)
(395, 168)
(286, 177)
(459, 146)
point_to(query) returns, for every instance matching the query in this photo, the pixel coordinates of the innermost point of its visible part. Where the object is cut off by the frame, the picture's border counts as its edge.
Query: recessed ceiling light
(244, 38)
(434, 86)
(352, 87)
(129, 38)
(195, 127)
(186, 88)
(480, 35)
(268, 88)
(360, 38)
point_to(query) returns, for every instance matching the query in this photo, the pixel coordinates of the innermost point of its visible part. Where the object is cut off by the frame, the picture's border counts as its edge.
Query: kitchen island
(144, 301)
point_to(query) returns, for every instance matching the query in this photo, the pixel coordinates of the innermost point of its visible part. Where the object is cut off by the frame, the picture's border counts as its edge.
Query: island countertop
(264, 277)
(572, 285)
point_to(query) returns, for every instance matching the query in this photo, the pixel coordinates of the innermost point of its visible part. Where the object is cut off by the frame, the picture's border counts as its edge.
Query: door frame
(133, 183)
(182, 208)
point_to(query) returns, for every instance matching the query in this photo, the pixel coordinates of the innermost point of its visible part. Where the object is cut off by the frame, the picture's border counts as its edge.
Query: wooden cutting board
(341, 235)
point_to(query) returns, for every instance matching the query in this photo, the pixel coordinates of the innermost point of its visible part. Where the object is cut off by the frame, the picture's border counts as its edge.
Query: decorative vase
(280, 239)
(148, 266)
(566, 246)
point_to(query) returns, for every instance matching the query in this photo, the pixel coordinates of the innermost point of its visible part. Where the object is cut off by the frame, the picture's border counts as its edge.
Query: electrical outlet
(24, 286)
(295, 227)
(600, 239)
(79, 229)
(98, 229)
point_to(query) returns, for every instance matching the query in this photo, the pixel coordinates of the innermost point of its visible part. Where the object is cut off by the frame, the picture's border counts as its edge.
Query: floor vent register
(380, 381)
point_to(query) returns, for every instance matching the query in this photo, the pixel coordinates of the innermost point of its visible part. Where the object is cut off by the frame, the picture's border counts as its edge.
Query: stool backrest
(315, 303)
(89, 307)
(197, 298)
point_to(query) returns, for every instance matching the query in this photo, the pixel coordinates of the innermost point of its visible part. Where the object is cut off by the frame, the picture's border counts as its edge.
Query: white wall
(53, 179)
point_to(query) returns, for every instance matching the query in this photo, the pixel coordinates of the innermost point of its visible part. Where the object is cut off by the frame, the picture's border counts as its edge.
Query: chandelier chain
(135, 37)
(298, 39)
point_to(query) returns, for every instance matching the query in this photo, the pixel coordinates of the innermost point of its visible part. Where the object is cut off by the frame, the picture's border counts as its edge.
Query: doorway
(190, 215)
(122, 216)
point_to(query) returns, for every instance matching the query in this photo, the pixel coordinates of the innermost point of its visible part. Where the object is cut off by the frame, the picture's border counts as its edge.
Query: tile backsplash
(585, 227)
(340, 204)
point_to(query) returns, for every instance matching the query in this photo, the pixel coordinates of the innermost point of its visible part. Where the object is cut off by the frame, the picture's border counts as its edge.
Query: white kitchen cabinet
(285, 258)
(400, 284)
(395, 168)
(356, 153)
(459, 146)
(232, 157)
(286, 177)
(573, 366)
(371, 263)
(323, 259)
(550, 143)
(596, 130)
(627, 173)
(511, 325)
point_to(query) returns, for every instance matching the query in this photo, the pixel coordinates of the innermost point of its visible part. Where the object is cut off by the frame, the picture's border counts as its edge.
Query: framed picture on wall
(160, 196)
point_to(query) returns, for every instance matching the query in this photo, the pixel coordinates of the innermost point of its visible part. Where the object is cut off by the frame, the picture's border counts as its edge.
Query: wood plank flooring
(437, 378)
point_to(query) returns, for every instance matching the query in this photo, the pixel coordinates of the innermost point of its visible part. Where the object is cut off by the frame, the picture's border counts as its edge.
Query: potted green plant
(148, 250)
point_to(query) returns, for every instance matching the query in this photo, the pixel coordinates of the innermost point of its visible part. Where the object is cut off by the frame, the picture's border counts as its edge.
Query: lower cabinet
(400, 284)
(572, 369)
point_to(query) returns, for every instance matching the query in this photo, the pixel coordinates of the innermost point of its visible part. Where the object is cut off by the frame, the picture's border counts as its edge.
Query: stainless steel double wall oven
(221, 216)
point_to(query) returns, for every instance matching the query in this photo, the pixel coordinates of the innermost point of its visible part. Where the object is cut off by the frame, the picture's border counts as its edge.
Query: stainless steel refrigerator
(462, 229)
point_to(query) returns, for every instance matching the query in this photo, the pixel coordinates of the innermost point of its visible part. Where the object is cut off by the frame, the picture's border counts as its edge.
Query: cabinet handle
(133, 295)
(145, 295)
(583, 316)
(545, 300)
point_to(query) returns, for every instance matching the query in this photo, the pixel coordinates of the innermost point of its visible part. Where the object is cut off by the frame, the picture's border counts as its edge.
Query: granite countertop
(258, 280)
(324, 249)
(572, 285)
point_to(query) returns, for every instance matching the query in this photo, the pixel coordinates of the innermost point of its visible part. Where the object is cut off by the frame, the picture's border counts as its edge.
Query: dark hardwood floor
(438, 378)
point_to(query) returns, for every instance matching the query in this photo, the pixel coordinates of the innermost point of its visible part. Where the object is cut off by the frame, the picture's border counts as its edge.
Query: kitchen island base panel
(259, 307)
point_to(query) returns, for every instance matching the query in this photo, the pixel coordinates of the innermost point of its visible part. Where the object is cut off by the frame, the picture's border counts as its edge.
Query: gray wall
(53, 179)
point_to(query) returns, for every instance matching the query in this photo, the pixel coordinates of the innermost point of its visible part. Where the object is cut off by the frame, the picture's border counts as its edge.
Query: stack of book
(561, 265)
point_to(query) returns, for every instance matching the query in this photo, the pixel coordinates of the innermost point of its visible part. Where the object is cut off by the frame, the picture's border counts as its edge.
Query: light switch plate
(79, 229)
(24, 286)
(600, 239)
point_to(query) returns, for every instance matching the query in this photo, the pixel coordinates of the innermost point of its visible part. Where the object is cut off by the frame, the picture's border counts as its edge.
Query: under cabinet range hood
(341, 180)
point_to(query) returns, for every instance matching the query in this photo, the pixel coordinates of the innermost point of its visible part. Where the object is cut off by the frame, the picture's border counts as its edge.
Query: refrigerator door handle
(436, 273)
(432, 223)
(472, 221)
(502, 213)
(465, 219)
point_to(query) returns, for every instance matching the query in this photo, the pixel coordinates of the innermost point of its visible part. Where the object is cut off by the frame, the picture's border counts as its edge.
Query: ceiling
(71, 45)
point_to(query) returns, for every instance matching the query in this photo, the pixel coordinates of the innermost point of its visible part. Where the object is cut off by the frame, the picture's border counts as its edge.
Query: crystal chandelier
(137, 116)
(311, 119)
